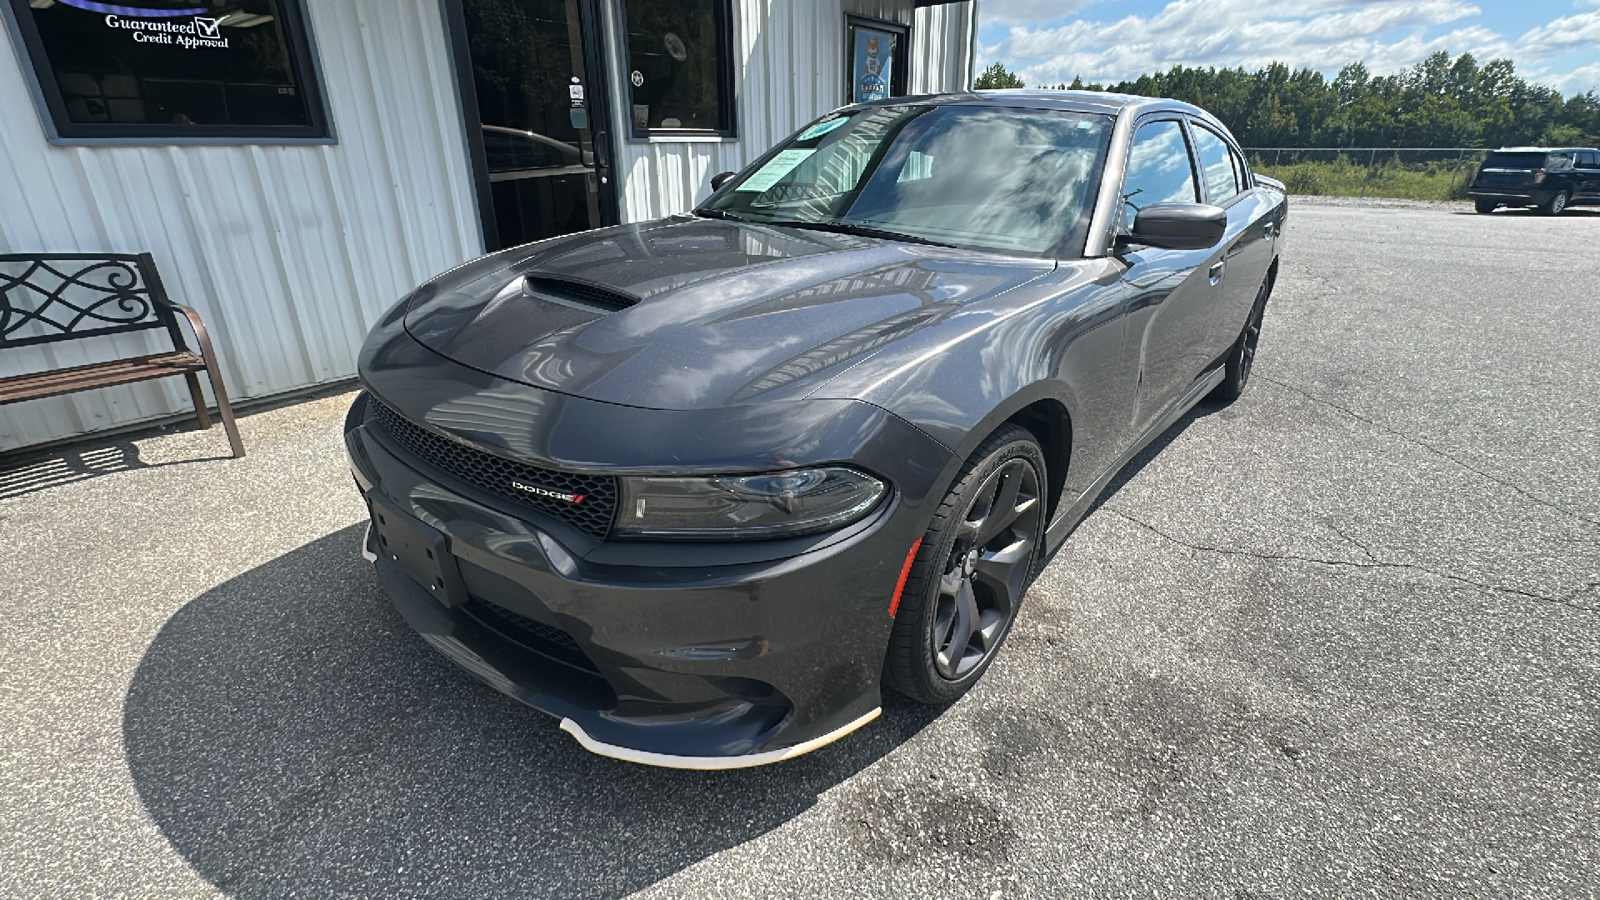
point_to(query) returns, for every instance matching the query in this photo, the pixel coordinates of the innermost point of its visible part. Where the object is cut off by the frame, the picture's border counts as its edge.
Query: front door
(1172, 293)
(536, 117)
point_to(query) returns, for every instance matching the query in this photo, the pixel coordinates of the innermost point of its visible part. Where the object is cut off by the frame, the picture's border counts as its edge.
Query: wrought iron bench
(52, 298)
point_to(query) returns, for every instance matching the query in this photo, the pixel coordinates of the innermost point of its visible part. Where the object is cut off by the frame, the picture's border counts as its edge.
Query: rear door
(1587, 170)
(1247, 245)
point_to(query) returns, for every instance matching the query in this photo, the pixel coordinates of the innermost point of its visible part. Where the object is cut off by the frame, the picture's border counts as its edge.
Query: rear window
(1514, 161)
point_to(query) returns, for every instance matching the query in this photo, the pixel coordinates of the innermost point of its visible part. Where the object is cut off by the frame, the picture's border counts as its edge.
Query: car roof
(1075, 101)
(1542, 149)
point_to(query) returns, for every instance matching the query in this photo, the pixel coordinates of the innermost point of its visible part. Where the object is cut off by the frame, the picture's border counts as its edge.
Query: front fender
(1060, 340)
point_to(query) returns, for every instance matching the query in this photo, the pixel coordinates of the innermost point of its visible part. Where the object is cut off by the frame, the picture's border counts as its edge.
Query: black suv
(1551, 179)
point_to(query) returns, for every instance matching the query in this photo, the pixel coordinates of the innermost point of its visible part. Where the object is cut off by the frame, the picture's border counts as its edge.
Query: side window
(1216, 166)
(1159, 170)
(1241, 173)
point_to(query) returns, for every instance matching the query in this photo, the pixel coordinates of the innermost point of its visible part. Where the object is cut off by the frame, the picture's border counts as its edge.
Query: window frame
(899, 73)
(1243, 179)
(1124, 223)
(727, 106)
(1241, 169)
(60, 130)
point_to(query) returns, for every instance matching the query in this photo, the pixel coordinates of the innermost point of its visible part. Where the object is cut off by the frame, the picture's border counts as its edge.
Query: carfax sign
(871, 63)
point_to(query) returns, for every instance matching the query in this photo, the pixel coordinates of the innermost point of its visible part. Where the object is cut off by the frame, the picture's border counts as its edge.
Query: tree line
(1439, 102)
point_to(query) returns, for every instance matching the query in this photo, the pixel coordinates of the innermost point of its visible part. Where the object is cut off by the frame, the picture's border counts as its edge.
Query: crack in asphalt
(1435, 450)
(1363, 547)
(1568, 601)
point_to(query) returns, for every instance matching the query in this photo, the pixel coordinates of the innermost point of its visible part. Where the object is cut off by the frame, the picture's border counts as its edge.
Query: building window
(876, 56)
(173, 69)
(680, 66)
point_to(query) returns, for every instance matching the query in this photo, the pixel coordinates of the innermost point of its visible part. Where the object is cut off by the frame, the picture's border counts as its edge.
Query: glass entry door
(541, 119)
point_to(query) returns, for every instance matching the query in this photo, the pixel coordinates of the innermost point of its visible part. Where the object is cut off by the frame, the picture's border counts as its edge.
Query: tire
(1485, 206)
(1555, 205)
(970, 574)
(1242, 357)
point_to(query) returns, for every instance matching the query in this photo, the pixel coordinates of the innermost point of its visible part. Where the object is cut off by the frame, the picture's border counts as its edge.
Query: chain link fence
(1411, 173)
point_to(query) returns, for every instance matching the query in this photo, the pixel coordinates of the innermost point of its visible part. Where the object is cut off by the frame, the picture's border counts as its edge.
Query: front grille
(494, 474)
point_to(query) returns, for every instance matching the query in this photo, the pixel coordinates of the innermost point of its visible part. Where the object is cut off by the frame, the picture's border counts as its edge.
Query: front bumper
(693, 656)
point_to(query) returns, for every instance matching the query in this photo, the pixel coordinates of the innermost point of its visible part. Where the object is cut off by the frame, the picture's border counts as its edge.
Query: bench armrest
(202, 338)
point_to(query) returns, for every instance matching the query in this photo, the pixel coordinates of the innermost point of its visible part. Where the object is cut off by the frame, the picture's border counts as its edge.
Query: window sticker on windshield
(773, 172)
(822, 128)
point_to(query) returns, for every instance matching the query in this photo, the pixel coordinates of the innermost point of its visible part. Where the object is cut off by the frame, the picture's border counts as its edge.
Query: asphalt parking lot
(1340, 638)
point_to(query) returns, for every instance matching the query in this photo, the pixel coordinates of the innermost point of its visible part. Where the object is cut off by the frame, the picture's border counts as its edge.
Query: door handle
(1216, 271)
(1266, 231)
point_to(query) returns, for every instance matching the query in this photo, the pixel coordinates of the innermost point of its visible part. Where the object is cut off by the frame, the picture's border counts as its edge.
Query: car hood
(689, 313)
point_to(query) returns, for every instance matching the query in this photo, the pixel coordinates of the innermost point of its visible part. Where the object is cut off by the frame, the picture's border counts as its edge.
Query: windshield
(988, 178)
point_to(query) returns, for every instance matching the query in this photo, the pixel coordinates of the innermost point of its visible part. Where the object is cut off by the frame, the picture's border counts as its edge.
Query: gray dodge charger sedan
(703, 487)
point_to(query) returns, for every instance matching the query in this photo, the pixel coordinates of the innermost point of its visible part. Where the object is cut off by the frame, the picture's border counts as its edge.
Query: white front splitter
(670, 761)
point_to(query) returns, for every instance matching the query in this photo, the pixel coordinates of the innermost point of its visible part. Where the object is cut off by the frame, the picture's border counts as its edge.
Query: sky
(1556, 42)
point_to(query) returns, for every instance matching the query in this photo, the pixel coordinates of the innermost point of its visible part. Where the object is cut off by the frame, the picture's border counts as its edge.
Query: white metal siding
(290, 253)
(790, 69)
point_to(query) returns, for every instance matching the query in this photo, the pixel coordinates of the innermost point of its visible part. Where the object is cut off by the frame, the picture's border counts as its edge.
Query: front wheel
(1484, 206)
(976, 560)
(1242, 357)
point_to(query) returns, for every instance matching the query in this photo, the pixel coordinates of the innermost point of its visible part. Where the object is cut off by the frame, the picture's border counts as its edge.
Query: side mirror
(720, 179)
(1177, 226)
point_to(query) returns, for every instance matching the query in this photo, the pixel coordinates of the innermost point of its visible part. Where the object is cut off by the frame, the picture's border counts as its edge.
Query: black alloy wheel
(975, 563)
(1242, 358)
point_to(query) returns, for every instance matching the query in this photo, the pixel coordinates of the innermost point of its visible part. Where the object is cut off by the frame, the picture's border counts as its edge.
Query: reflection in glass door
(541, 119)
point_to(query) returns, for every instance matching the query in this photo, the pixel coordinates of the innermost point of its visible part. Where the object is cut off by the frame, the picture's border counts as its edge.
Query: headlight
(744, 507)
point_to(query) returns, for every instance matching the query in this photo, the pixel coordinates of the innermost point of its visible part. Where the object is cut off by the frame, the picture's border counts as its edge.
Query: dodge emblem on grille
(546, 492)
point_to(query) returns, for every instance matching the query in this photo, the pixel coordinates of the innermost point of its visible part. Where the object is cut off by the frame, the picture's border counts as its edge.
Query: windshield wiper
(723, 214)
(865, 231)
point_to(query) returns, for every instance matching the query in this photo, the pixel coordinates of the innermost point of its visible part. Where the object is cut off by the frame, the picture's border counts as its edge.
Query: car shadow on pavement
(290, 736)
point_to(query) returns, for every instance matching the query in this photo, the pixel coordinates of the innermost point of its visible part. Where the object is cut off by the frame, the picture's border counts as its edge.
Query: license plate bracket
(417, 550)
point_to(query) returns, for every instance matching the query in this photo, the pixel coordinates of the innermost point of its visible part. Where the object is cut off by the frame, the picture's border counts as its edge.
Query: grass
(1343, 177)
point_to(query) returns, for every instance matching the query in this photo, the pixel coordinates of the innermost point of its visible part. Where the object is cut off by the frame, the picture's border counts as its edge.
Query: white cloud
(1320, 34)
(1578, 81)
(1231, 33)
(1565, 33)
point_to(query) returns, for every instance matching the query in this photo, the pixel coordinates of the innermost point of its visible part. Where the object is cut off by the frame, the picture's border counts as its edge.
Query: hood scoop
(574, 294)
(525, 310)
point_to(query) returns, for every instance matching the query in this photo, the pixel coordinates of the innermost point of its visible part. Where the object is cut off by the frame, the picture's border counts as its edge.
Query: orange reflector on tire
(905, 571)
